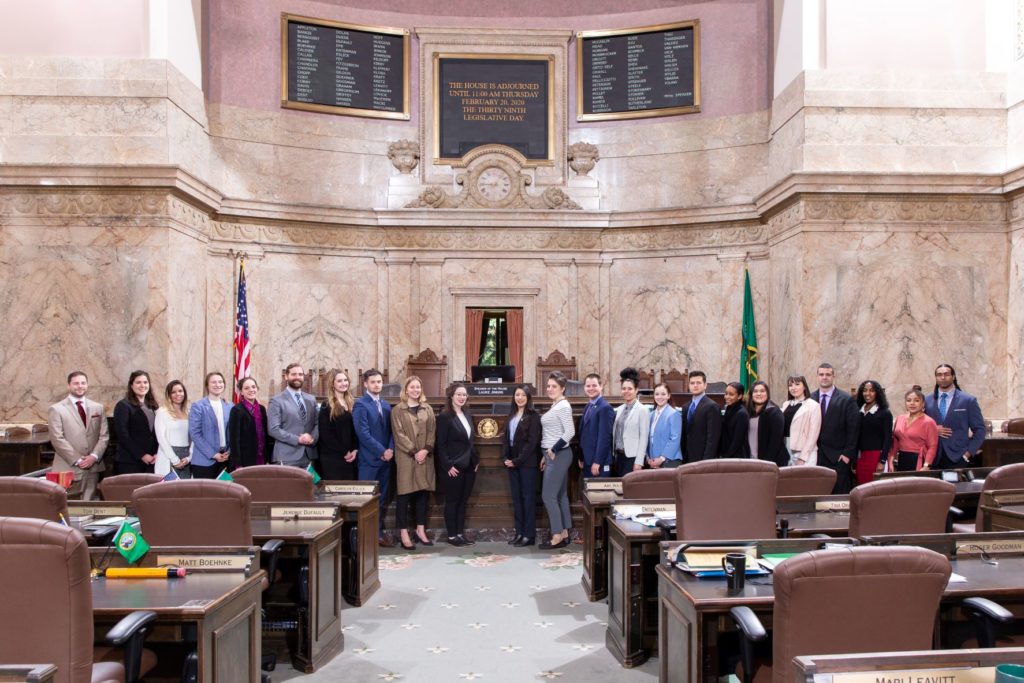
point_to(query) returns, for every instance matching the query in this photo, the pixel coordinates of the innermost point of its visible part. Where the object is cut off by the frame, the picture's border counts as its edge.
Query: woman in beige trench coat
(412, 423)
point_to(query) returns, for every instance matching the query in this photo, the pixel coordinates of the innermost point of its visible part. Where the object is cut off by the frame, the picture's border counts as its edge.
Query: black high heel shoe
(424, 542)
(516, 540)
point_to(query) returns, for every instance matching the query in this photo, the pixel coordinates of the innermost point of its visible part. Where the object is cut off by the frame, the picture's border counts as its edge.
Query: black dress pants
(457, 490)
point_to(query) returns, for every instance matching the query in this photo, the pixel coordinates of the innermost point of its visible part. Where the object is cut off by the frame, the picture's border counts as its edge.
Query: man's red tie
(81, 414)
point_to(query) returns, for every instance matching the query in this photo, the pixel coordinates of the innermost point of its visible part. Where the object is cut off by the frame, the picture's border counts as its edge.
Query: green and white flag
(312, 470)
(225, 476)
(130, 543)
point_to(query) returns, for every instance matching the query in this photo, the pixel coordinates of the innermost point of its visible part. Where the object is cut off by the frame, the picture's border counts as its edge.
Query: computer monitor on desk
(503, 374)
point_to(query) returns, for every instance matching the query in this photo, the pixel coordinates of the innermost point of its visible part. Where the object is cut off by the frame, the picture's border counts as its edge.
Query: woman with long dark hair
(875, 436)
(766, 431)
(249, 438)
(735, 424)
(171, 427)
(802, 422)
(134, 424)
(338, 444)
(520, 452)
(457, 461)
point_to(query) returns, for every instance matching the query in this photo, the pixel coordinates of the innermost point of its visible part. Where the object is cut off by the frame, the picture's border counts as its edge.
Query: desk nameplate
(832, 506)
(983, 674)
(206, 562)
(298, 512)
(1001, 499)
(628, 510)
(351, 489)
(98, 510)
(598, 485)
(1004, 547)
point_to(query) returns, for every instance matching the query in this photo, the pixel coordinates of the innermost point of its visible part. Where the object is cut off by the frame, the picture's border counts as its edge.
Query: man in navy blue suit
(958, 415)
(596, 431)
(372, 418)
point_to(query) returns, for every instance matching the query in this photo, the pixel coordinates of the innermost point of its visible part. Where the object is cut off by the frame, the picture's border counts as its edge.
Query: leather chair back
(120, 487)
(1014, 426)
(275, 483)
(201, 512)
(726, 499)
(870, 599)
(904, 505)
(1005, 477)
(32, 497)
(806, 481)
(649, 484)
(47, 607)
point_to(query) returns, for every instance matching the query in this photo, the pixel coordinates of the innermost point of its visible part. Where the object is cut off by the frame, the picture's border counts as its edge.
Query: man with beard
(292, 421)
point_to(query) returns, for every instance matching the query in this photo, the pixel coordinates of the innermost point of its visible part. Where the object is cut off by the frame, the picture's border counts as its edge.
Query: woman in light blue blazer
(208, 427)
(666, 431)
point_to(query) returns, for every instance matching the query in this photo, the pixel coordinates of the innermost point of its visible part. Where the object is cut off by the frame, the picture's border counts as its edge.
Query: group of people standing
(854, 435)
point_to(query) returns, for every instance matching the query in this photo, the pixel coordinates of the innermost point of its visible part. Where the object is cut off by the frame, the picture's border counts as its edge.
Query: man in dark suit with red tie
(840, 427)
(596, 432)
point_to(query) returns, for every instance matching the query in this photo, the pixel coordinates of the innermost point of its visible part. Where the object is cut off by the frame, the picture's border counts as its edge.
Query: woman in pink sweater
(915, 437)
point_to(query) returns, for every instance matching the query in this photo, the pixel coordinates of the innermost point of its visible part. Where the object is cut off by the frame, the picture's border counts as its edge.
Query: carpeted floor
(488, 612)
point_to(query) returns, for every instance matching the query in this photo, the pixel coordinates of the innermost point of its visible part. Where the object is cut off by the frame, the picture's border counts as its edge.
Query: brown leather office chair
(48, 608)
(197, 512)
(30, 497)
(1014, 426)
(275, 483)
(1005, 477)
(726, 499)
(851, 600)
(806, 481)
(649, 484)
(120, 487)
(912, 505)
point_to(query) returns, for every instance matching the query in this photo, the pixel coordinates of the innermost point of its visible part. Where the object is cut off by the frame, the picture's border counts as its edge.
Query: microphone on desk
(145, 573)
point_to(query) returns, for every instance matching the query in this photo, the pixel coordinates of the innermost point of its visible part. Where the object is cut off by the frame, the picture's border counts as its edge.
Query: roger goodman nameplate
(493, 99)
(337, 68)
(638, 72)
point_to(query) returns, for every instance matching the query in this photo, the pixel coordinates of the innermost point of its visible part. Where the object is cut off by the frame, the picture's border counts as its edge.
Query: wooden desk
(596, 508)
(26, 453)
(216, 611)
(360, 512)
(1002, 510)
(933, 666)
(808, 515)
(694, 612)
(316, 544)
(1001, 449)
(27, 673)
(633, 555)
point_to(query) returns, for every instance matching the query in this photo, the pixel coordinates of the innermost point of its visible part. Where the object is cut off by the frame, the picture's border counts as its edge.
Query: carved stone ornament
(493, 179)
(582, 157)
(404, 155)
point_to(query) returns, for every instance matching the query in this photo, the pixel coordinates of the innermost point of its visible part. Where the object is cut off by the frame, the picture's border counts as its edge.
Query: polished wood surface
(360, 575)
(1001, 449)
(216, 613)
(929, 666)
(24, 453)
(633, 555)
(596, 508)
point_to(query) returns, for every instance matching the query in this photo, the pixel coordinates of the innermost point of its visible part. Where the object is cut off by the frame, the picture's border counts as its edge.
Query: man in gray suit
(78, 434)
(292, 421)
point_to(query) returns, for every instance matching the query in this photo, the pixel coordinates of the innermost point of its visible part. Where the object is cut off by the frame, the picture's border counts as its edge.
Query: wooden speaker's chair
(432, 371)
(555, 362)
(47, 607)
(676, 381)
(871, 599)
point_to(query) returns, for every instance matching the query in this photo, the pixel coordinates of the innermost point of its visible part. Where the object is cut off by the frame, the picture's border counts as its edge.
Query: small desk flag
(130, 543)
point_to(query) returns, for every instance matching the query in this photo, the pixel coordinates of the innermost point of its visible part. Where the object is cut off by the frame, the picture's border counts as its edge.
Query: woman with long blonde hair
(413, 426)
(338, 444)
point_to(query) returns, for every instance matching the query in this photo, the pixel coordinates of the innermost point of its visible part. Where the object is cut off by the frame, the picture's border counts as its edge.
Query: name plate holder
(832, 506)
(981, 674)
(295, 512)
(207, 562)
(76, 509)
(992, 547)
(625, 510)
(615, 486)
(197, 560)
(351, 488)
(1001, 498)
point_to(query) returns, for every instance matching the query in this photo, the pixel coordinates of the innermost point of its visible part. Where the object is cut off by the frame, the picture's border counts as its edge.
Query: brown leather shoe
(385, 542)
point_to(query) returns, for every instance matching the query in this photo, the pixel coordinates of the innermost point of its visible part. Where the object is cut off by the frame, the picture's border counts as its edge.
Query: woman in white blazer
(632, 426)
(802, 423)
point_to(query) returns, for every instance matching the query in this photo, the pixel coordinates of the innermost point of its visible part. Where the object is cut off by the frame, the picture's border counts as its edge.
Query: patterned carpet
(488, 612)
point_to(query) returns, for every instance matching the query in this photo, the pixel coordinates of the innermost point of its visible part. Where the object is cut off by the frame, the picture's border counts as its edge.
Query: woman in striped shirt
(557, 431)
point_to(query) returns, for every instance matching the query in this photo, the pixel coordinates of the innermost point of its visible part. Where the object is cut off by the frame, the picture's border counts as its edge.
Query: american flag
(242, 345)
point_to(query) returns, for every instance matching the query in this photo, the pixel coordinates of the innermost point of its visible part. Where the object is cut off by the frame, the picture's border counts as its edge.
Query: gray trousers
(554, 490)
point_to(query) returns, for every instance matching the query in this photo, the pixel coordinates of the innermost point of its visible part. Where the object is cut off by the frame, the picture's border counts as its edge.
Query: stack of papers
(706, 561)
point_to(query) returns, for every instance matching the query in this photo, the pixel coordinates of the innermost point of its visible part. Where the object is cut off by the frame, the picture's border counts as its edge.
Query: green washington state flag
(748, 356)
(130, 543)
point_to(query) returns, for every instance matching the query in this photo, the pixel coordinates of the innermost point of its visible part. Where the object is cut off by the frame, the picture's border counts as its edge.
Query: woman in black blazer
(338, 443)
(735, 440)
(134, 416)
(520, 451)
(457, 460)
(249, 441)
(766, 425)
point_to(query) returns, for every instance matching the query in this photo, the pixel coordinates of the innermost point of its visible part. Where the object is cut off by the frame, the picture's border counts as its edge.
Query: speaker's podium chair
(907, 505)
(47, 607)
(202, 512)
(726, 499)
(852, 600)
(806, 480)
(649, 484)
(121, 486)
(30, 497)
(276, 483)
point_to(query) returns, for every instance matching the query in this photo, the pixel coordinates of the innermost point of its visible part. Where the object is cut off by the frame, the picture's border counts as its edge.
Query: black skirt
(906, 461)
